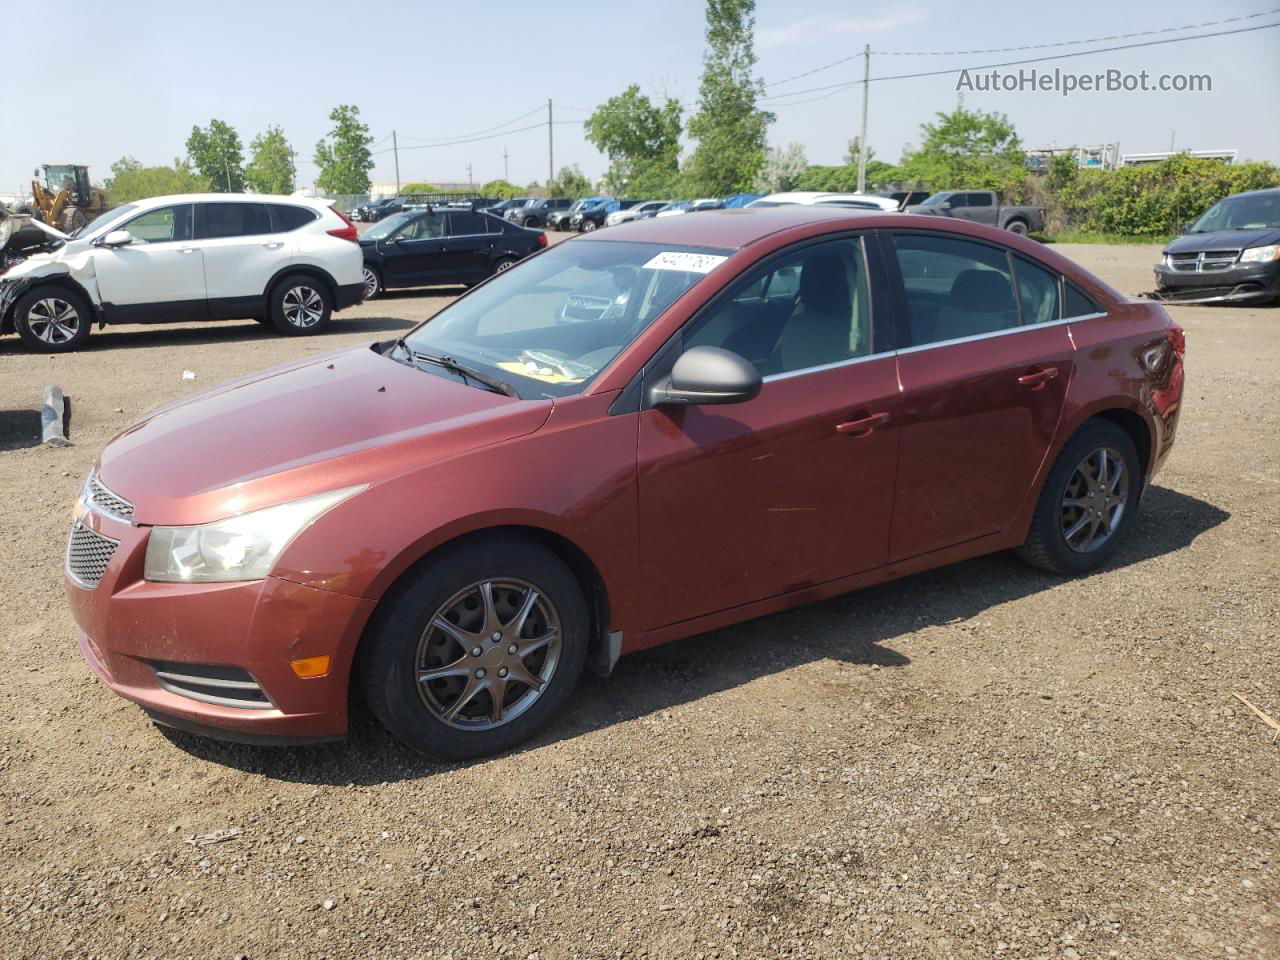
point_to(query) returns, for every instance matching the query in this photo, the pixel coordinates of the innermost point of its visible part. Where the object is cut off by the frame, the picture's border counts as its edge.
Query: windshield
(1247, 212)
(103, 224)
(388, 225)
(550, 325)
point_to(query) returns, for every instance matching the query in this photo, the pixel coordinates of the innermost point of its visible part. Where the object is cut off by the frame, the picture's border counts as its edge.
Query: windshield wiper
(461, 369)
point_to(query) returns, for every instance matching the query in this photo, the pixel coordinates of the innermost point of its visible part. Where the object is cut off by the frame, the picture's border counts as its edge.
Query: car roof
(736, 228)
(151, 202)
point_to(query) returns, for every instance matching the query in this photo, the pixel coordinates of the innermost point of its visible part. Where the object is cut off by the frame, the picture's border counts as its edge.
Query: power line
(837, 87)
(1029, 46)
(476, 133)
(492, 136)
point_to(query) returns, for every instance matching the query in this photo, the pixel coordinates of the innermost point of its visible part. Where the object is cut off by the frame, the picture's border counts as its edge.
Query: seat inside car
(981, 301)
(821, 328)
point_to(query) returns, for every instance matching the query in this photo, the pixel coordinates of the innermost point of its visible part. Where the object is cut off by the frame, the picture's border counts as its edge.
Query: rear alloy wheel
(504, 264)
(588, 226)
(372, 282)
(52, 320)
(300, 305)
(476, 650)
(1087, 503)
(1017, 226)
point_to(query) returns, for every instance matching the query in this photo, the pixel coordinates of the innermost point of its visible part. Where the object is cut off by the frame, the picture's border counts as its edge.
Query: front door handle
(186, 249)
(274, 244)
(1036, 379)
(863, 426)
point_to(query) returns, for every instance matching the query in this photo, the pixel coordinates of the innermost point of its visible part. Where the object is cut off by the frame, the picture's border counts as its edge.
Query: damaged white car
(285, 261)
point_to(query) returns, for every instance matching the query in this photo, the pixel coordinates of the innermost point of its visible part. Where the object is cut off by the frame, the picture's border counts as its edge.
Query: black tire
(503, 264)
(1020, 227)
(372, 282)
(1046, 545)
(300, 305)
(71, 220)
(391, 654)
(587, 226)
(53, 319)
(530, 222)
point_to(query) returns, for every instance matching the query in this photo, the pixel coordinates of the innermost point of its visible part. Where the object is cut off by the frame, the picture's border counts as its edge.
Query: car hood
(1223, 240)
(348, 418)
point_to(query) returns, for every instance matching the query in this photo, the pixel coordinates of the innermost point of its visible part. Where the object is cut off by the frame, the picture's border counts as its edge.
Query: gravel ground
(981, 761)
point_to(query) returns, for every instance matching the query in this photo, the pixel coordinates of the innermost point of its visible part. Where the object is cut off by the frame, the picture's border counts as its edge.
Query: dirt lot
(982, 761)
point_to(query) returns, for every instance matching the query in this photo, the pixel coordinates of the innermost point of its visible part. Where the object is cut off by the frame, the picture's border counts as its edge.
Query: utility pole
(862, 137)
(506, 170)
(551, 163)
(395, 148)
(470, 181)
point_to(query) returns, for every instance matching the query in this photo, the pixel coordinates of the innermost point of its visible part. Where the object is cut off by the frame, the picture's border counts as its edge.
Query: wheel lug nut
(476, 651)
(495, 636)
(512, 649)
(480, 674)
(502, 671)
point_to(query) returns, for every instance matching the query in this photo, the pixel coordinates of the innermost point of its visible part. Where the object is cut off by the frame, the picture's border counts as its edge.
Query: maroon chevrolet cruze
(634, 436)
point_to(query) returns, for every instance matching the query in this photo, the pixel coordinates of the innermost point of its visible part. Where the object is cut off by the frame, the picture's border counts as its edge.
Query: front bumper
(128, 627)
(1242, 282)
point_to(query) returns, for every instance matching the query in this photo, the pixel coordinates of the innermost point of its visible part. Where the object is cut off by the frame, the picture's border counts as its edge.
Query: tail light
(542, 239)
(1177, 339)
(349, 232)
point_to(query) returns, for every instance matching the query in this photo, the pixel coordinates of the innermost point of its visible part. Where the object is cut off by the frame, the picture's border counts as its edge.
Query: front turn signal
(310, 667)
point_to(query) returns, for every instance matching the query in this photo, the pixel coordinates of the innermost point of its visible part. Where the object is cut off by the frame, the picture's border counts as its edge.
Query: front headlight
(243, 547)
(1260, 254)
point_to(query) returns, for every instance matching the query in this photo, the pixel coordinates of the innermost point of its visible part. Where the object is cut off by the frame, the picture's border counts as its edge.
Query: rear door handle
(1038, 378)
(863, 426)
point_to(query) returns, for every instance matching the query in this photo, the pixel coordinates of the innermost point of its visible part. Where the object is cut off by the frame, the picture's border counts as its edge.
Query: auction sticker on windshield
(686, 262)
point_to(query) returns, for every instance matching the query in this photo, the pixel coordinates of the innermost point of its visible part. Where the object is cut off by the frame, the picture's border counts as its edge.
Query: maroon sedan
(635, 436)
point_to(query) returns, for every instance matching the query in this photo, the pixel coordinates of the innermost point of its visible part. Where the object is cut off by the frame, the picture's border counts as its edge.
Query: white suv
(287, 261)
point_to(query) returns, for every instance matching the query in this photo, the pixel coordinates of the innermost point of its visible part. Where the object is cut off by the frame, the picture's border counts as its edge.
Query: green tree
(502, 189)
(345, 162)
(270, 168)
(968, 149)
(641, 140)
(217, 153)
(729, 127)
(130, 180)
(782, 169)
(570, 182)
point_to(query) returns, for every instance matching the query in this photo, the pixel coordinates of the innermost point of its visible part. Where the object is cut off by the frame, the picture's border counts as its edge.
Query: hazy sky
(143, 72)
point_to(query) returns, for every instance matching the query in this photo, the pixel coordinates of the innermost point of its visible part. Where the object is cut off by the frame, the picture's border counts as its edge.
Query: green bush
(1149, 201)
(413, 189)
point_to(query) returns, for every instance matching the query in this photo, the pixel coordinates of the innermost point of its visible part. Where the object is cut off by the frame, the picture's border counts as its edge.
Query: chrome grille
(108, 502)
(212, 683)
(1204, 261)
(88, 554)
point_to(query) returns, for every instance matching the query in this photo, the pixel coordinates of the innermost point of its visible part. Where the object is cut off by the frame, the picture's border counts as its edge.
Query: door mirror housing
(705, 375)
(117, 238)
(1184, 228)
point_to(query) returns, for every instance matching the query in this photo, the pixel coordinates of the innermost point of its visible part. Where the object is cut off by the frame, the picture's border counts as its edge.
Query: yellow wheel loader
(66, 199)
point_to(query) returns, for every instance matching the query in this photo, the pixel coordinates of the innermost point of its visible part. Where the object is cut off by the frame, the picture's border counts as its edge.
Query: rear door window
(1037, 292)
(467, 224)
(1077, 304)
(236, 220)
(954, 288)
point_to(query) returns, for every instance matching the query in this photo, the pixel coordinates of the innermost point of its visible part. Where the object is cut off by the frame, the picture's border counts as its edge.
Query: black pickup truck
(980, 206)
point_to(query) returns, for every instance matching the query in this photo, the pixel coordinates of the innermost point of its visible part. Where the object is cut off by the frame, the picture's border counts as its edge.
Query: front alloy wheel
(53, 321)
(588, 226)
(477, 648)
(488, 653)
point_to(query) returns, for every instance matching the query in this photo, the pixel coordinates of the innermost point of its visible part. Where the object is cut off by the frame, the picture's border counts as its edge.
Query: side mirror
(117, 238)
(705, 375)
(1184, 228)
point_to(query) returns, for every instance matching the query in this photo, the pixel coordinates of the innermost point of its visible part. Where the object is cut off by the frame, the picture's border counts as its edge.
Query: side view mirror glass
(705, 375)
